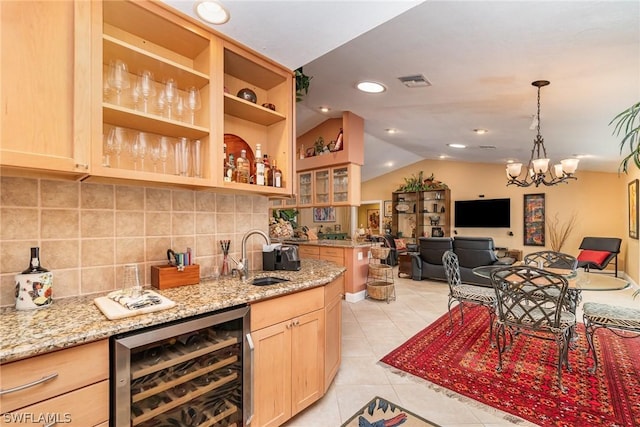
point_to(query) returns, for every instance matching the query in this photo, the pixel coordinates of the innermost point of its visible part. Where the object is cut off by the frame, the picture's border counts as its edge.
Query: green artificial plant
(418, 183)
(302, 84)
(627, 125)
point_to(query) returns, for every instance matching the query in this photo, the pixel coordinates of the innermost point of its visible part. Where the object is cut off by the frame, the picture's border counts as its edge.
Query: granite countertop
(334, 243)
(76, 320)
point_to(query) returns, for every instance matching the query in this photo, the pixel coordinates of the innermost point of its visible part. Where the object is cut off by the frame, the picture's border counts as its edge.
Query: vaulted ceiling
(480, 58)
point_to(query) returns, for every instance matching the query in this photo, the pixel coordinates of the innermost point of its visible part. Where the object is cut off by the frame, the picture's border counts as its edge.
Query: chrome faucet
(243, 265)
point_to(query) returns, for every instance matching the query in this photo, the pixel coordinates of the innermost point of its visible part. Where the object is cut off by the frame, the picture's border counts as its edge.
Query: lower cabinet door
(272, 375)
(307, 377)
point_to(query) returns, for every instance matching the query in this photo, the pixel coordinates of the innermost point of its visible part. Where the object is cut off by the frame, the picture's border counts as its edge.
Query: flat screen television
(483, 213)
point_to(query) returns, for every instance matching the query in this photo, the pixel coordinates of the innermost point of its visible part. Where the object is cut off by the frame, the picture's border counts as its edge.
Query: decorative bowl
(248, 95)
(402, 207)
(269, 106)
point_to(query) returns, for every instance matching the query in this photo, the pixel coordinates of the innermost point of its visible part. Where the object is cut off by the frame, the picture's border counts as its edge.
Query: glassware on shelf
(143, 141)
(164, 152)
(117, 140)
(154, 153)
(193, 102)
(180, 107)
(145, 88)
(170, 96)
(118, 78)
(197, 158)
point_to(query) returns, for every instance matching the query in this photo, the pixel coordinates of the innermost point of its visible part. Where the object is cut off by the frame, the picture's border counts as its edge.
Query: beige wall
(86, 232)
(599, 200)
(632, 256)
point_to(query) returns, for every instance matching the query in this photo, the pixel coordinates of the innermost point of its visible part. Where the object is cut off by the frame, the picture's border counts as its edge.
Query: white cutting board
(114, 310)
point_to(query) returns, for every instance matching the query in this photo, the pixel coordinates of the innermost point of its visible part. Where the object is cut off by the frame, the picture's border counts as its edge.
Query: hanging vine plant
(302, 84)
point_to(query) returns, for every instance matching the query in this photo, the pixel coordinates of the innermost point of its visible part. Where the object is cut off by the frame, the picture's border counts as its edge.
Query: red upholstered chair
(597, 252)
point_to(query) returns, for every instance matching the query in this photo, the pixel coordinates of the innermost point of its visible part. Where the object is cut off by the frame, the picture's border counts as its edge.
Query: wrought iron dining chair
(464, 293)
(551, 259)
(530, 302)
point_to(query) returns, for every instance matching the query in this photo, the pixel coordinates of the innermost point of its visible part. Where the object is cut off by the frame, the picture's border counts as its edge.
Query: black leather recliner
(472, 252)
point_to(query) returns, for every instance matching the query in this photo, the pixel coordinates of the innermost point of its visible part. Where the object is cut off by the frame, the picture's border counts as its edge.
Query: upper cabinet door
(45, 85)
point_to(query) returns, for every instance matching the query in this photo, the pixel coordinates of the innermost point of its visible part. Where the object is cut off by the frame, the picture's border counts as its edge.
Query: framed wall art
(324, 214)
(534, 224)
(633, 209)
(373, 219)
(388, 208)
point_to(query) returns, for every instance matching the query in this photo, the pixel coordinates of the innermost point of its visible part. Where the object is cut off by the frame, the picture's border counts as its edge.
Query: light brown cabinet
(297, 351)
(76, 390)
(45, 86)
(62, 104)
(337, 186)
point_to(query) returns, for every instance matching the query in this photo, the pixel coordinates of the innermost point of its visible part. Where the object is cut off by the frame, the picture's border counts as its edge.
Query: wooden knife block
(168, 276)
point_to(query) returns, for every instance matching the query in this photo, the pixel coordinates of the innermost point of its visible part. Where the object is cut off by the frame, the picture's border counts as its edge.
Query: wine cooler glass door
(190, 373)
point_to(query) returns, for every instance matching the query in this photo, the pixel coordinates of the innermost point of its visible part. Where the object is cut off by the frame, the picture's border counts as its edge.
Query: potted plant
(627, 125)
(302, 84)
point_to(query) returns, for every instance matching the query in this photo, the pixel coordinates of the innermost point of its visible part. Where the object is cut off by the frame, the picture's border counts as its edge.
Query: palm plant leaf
(627, 124)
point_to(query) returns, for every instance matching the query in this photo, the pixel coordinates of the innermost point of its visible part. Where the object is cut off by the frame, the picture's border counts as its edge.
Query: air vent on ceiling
(488, 147)
(417, 80)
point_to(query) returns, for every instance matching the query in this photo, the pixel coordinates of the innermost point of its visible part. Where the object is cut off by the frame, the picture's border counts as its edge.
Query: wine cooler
(195, 372)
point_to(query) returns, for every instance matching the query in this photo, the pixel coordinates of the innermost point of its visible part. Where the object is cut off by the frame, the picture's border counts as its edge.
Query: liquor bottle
(230, 170)
(34, 286)
(243, 169)
(259, 167)
(277, 175)
(34, 264)
(268, 176)
(224, 157)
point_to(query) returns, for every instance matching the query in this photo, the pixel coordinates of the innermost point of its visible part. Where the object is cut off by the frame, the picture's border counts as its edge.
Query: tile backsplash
(87, 231)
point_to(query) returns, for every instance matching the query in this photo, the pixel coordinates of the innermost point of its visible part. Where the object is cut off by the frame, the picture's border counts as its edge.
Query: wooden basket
(379, 252)
(380, 290)
(382, 272)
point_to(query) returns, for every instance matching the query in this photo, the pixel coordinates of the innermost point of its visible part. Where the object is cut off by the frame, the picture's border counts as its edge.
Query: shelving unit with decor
(421, 213)
(380, 284)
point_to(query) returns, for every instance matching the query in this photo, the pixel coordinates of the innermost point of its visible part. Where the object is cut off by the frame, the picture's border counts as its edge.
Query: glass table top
(577, 278)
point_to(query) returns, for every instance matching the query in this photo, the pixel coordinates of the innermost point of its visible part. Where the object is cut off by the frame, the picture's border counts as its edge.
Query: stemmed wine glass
(142, 141)
(164, 152)
(170, 95)
(155, 155)
(107, 149)
(117, 139)
(180, 107)
(118, 77)
(146, 88)
(193, 102)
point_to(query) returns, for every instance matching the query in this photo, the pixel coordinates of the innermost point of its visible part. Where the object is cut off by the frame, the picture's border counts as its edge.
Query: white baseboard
(358, 296)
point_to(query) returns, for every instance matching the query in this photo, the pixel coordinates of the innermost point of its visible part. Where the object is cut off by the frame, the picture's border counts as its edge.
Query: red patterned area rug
(465, 363)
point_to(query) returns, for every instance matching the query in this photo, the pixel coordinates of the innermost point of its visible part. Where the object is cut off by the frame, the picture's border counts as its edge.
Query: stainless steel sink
(264, 281)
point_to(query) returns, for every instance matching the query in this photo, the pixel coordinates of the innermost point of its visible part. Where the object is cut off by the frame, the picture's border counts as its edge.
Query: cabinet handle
(84, 166)
(251, 367)
(28, 385)
(296, 322)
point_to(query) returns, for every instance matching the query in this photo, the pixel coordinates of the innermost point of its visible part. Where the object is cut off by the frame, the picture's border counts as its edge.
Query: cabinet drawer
(76, 367)
(331, 253)
(88, 406)
(276, 310)
(334, 289)
(309, 252)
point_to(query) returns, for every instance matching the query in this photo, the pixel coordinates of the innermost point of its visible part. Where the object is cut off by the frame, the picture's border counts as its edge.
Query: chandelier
(538, 171)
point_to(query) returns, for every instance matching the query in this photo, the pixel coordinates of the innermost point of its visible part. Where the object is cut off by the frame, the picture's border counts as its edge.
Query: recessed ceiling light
(389, 164)
(442, 156)
(391, 130)
(371, 87)
(324, 109)
(211, 11)
(480, 131)
(510, 161)
(457, 145)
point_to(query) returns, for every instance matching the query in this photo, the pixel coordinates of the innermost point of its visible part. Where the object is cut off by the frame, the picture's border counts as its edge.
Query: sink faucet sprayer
(243, 265)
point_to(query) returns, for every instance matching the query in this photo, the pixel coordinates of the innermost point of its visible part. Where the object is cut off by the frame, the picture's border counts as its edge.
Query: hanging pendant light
(538, 171)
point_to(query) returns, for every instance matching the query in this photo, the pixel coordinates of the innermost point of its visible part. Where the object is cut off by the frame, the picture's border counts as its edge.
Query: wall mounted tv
(483, 213)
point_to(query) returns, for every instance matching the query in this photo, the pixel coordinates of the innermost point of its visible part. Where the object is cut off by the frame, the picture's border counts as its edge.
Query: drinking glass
(118, 77)
(117, 140)
(193, 102)
(196, 158)
(145, 87)
(180, 107)
(131, 281)
(107, 149)
(143, 142)
(164, 152)
(135, 153)
(154, 152)
(170, 95)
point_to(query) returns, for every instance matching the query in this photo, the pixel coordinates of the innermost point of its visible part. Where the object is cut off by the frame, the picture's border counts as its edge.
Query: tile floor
(373, 328)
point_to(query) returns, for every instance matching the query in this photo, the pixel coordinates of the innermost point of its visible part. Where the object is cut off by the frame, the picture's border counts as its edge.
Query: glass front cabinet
(336, 186)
